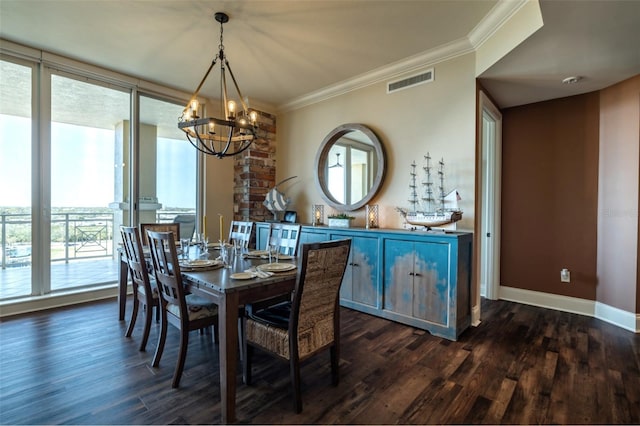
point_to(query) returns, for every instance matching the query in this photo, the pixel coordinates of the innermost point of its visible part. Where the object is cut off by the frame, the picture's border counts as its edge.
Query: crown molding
(496, 17)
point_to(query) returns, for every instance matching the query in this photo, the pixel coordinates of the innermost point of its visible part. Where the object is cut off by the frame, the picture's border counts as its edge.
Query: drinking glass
(184, 245)
(204, 244)
(226, 254)
(274, 249)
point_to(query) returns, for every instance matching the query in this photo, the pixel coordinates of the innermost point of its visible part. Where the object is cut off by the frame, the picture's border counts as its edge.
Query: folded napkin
(259, 273)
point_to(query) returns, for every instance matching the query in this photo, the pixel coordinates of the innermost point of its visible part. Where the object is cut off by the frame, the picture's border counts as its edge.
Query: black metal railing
(74, 235)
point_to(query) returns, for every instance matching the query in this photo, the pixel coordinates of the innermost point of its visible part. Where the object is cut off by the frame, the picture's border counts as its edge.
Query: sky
(82, 171)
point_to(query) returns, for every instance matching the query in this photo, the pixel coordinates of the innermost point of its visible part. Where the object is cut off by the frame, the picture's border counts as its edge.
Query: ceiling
(282, 51)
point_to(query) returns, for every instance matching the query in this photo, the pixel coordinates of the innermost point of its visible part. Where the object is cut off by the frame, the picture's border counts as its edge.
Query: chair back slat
(287, 235)
(166, 269)
(241, 232)
(315, 301)
(135, 258)
(159, 227)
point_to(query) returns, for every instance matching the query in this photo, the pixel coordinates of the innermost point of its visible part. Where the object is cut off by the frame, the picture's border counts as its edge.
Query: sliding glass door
(79, 157)
(168, 167)
(15, 179)
(89, 122)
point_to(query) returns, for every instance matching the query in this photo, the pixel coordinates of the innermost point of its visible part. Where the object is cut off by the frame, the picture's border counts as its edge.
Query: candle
(221, 227)
(204, 224)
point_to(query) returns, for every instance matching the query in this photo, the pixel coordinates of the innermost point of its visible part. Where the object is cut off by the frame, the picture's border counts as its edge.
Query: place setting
(199, 264)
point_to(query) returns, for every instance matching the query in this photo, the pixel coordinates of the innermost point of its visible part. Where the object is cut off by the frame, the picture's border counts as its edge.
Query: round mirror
(350, 166)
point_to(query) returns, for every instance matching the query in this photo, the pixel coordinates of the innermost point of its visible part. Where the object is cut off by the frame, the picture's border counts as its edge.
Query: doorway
(490, 202)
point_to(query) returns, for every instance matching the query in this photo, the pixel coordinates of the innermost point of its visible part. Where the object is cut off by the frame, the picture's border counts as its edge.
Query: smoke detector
(572, 80)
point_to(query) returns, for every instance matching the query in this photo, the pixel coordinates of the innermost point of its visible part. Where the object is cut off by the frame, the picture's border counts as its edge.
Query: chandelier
(220, 137)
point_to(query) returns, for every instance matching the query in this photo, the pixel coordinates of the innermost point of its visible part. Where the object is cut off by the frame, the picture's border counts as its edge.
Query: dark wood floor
(521, 365)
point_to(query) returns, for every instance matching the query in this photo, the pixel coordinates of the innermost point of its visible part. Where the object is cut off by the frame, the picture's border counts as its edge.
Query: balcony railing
(74, 235)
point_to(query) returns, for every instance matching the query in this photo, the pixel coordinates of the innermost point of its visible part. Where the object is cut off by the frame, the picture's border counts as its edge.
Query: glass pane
(87, 121)
(336, 173)
(359, 174)
(15, 180)
(168, 167)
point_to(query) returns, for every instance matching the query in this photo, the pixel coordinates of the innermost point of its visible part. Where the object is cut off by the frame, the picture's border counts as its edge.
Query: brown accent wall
(550, 196)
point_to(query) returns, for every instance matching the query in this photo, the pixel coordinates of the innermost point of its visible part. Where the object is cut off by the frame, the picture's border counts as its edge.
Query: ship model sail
(431, 207)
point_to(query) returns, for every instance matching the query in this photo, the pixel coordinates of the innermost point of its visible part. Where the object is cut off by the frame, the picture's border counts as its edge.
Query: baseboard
(475, 316)
(618, 317)
(56, 300)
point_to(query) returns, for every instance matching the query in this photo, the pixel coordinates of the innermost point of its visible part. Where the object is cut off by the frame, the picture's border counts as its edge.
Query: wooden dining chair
(310, 323)
(145, 292)
(187, 312)
(287, 236)
(241, 232)
(159, 227)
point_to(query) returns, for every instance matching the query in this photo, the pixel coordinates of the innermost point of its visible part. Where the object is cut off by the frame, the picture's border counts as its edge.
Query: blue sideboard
(418, 278)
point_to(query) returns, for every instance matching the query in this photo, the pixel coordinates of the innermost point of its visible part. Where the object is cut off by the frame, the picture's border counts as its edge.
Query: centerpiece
(341, 220)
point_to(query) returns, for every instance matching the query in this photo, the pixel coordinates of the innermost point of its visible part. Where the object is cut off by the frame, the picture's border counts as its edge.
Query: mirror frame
(321, 161)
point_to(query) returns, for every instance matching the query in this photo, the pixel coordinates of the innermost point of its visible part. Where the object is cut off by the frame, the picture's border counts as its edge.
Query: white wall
(437, 117)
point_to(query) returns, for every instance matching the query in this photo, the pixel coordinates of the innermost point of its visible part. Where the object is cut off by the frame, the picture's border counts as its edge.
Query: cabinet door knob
(354, 264)
(411, 273)
(417, 275)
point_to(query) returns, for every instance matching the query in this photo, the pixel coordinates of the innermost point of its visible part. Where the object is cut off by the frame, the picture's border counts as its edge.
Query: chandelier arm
(223, 89)
(235, 83)
(196, 146)
(228, 145)
(197, 92)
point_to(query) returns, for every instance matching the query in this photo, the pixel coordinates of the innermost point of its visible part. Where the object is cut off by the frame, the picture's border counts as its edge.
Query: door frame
(490, 185)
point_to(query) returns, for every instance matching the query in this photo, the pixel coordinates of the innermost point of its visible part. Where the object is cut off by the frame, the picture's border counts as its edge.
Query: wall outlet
(565, 276)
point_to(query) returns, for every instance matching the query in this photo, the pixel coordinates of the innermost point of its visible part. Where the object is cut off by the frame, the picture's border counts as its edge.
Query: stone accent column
(255, 173)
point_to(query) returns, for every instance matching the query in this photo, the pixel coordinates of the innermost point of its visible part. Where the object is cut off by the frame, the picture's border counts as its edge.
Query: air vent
(414, 80)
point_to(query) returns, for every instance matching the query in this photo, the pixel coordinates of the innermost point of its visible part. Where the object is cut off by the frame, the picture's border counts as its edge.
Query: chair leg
(294, 363)
(148, 313)
(335, 365)
(246, 364)
(240, 339)
(134, 315)
(182, 356)
(161, 339)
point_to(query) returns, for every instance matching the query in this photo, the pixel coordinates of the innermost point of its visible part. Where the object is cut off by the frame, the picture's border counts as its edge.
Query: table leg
(228, 328)
(122, 286)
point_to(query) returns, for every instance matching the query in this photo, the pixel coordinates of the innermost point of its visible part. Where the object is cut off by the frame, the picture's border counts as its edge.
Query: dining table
(248, 278)
(230, 294)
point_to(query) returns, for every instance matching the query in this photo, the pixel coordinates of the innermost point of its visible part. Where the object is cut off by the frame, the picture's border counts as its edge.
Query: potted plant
(342, 220)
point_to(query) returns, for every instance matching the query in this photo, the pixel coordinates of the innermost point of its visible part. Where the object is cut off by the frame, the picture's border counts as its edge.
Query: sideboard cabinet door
(417, 280)
(360, 282)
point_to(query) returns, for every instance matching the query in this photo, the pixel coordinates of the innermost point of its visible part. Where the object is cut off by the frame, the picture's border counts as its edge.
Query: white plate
(277, 267)
(258, 253)
(198, 263)
(284, 257)
(243, 276)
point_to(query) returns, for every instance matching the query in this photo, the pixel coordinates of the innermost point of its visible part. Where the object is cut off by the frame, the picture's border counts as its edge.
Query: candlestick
(221, 227)
(372, 215)
(204, 224)
(318, 214)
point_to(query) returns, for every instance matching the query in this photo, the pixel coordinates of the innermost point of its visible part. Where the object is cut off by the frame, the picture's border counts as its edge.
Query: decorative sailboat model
(431, 210)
